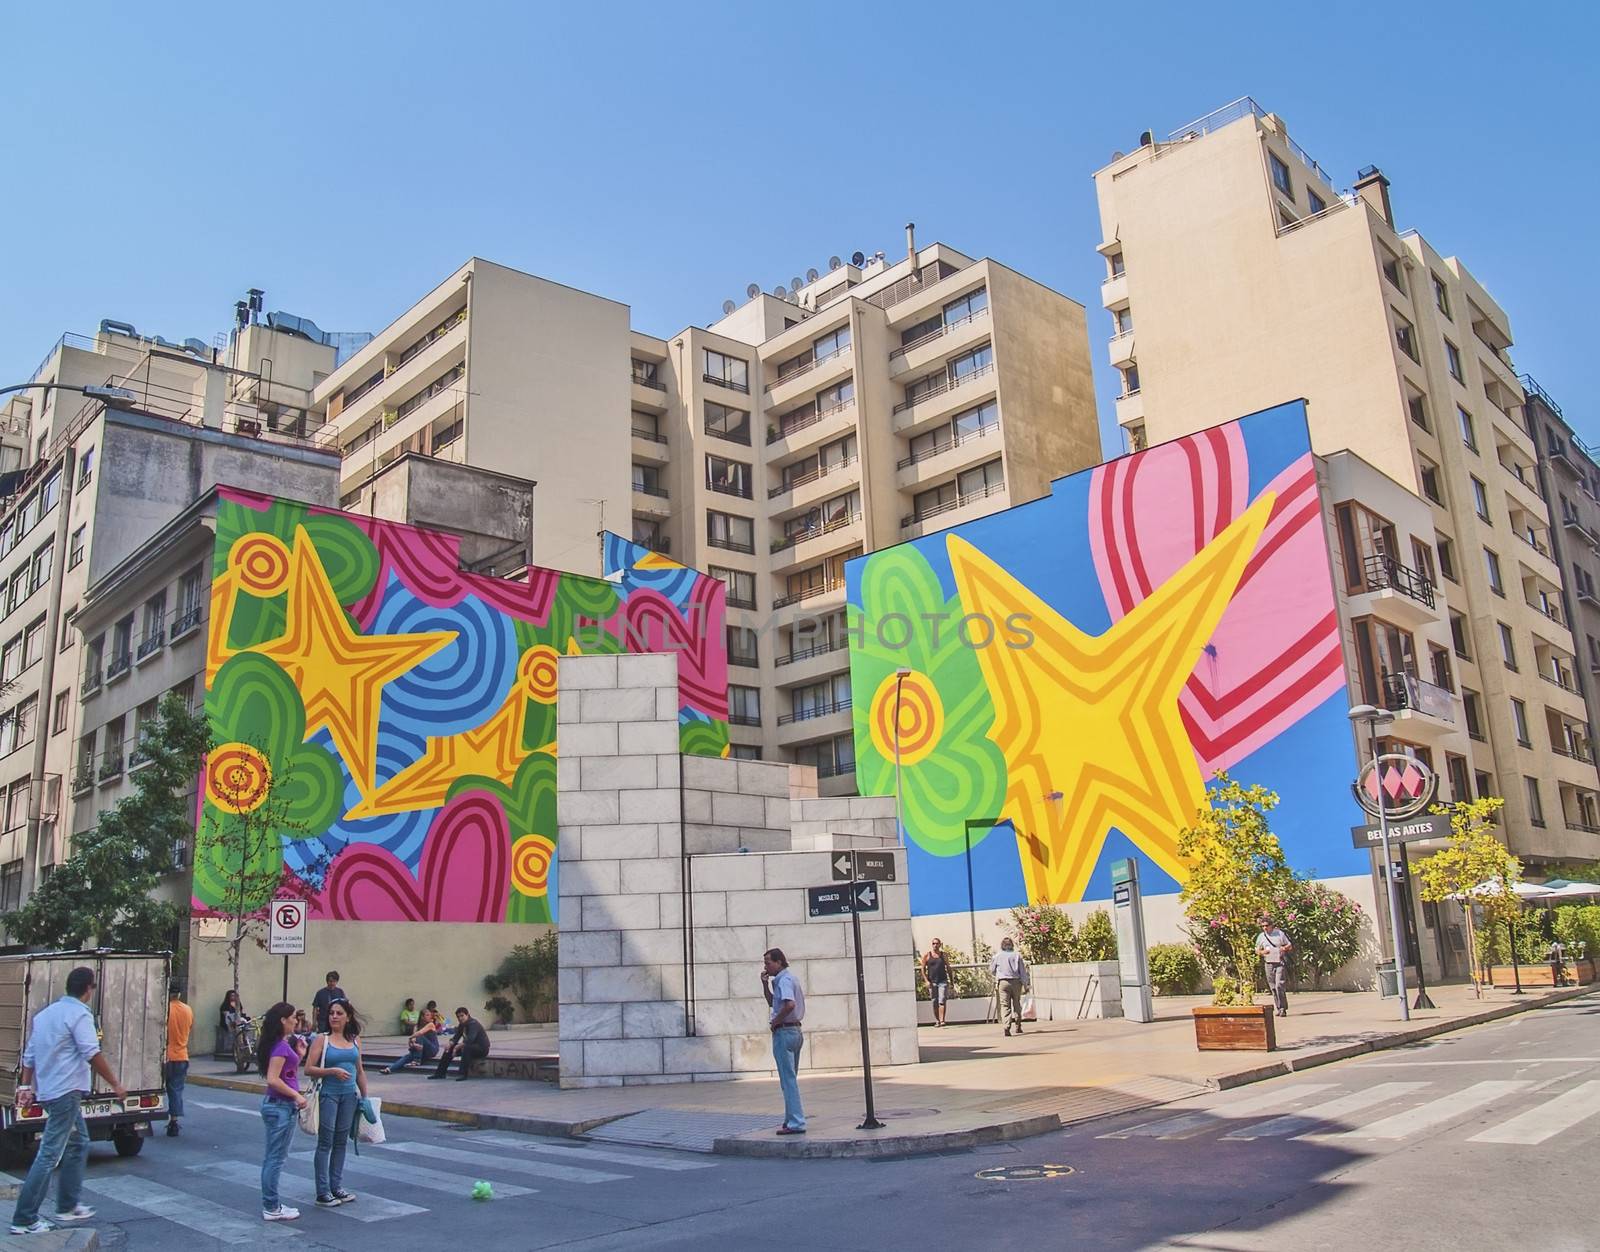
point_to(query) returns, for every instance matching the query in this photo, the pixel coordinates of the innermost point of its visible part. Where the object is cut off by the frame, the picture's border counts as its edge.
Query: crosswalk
(393, 1181)
(1522, 1113)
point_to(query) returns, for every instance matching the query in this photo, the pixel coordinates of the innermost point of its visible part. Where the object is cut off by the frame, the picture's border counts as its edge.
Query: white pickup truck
(130, 1011)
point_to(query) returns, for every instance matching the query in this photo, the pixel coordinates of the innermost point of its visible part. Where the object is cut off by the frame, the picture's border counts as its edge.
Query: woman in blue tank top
(336, 1059)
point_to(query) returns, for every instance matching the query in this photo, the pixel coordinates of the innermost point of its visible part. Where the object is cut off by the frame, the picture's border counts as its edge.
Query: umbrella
(1563, 889)
(1523, 890)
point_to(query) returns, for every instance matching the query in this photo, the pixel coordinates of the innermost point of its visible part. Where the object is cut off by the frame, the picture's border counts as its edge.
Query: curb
(890, 1146)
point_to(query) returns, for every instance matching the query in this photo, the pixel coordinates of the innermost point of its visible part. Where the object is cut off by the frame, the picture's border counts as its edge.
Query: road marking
(1507, 1060)
(190, 1211)
(457, 1185)
(223, 1108)
(1433, 1113)
(539, 1169)
(505, 1139)
(1546, 1120)
(1189, 1125)
(1328, 1111)
(369, 1208)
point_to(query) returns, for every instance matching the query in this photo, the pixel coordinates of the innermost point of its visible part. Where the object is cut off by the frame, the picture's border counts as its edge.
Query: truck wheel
(127, 1142)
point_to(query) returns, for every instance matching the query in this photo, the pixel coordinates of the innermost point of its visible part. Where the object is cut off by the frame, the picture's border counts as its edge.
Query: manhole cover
(1023, 1173)
(907, 1112)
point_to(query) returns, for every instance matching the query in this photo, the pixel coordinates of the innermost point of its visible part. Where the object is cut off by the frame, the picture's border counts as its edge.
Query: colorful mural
(1080, 666)
(396, 716)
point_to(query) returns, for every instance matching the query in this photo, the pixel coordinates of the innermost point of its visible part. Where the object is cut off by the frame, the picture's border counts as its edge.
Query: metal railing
(743, 388)
(793, 423)
(942, 386)
(1383, 573)
(812, 712)
(1244, 106)
(119, 665)
(945, 329)
(650, 381)
(827, 528)
(954, 441)
(727, 487)
(650, 489)
(1533, 542)
(749, 660)
(432, 337)
(150, 644)
(1548, 609)
(809, 593)
(731, 545)
(948, 506)
(654, 436)
(786, 376)
(1559, 680)
(744, 719)
(816, 649)
(1407, 691)
(822, 471)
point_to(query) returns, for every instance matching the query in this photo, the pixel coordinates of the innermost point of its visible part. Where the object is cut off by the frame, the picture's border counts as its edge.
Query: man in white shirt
(787, 1000)
(1273, 946)
(1010, 977)
(63, 1047)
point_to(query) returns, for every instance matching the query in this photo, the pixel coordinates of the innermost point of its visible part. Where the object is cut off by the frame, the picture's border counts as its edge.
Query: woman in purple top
(279, 1064)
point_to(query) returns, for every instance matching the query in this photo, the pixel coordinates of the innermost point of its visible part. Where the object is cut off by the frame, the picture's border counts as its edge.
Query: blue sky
(345, 157)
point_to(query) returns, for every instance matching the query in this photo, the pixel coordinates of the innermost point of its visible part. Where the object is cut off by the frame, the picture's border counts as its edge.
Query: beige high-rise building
(878, 401)
(1238, 277)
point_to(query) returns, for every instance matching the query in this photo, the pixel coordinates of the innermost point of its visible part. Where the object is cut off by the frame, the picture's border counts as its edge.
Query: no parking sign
(288, 933)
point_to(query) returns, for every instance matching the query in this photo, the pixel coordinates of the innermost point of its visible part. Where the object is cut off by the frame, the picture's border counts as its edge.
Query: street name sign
(856, 866)
(1434, 826)
(287, 936)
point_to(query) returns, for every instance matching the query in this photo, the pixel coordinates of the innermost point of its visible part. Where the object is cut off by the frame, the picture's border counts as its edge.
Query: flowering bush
(1044, 934)
(1097, 938)
(1324, 925)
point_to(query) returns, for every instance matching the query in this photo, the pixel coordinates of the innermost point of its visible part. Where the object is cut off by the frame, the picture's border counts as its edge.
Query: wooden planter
(1234, 1028)
(1541, 975)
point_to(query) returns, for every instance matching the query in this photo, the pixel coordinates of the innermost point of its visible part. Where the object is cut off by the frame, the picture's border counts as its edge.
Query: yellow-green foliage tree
(1236, 873)
(1475, 856)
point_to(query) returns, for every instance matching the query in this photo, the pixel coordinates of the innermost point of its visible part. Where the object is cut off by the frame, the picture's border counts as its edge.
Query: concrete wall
(491, 513)
(664, 918)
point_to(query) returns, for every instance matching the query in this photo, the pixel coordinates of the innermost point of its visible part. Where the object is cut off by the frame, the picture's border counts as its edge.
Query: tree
(105, 889)
(1237, 872)
(1475, 857)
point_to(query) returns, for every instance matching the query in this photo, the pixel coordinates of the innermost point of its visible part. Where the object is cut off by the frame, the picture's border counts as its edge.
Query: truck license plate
(101, 1108)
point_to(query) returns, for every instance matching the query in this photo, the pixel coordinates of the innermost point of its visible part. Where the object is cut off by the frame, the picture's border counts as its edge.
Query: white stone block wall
(1077, 990)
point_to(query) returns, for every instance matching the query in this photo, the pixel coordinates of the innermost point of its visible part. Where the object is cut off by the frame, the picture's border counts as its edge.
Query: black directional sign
(856, 866)
(1435, 826)
(840, 899)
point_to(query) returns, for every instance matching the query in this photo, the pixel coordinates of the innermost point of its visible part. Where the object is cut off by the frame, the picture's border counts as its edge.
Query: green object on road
(482, 1190)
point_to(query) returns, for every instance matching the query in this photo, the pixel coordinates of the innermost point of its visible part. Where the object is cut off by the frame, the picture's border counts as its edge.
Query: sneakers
(328, 1202)
(172, 1128)
(81, 1213)
(283, 1213)
(344, 1197)
(39, 1227)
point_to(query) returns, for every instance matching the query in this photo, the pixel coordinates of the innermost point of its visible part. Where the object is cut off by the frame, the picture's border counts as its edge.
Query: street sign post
(286, 934)
(855, 866)
(855, 898)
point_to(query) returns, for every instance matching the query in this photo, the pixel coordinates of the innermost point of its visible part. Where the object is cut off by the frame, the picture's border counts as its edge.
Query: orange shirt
(180, 1021)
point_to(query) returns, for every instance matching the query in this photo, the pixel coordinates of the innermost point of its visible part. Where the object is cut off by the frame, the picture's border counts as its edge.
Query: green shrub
(1175, 969)
(528, 976)
(1494, 942)
(1577, 924)
(1097, 938)
(963, 982)
(1044, 934)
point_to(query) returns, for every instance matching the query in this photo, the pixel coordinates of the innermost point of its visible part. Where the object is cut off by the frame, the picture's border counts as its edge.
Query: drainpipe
(911, 245)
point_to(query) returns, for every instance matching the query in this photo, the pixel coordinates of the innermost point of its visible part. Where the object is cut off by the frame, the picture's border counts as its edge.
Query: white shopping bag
(1028, 1013)
(371, 1131)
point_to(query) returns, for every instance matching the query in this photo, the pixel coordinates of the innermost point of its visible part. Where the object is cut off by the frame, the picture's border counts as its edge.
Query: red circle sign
(289, 916)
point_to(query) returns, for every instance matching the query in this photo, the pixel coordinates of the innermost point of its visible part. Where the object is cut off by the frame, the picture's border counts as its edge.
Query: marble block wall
(652, 992)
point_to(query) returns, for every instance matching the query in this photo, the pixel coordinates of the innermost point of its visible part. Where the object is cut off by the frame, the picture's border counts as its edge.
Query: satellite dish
(752, 291)
(1118, 154)
(780, 291)
(728, 306)
(834, 263)
(793, 297)
(1144, 138)
(811, 274)
(794, 283)
(858, 259)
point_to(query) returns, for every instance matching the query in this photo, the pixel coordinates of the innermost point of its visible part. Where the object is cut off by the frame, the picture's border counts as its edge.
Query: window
(33, 642)
(1469, 708)
(1422, 558)
(66, 627)
(1117, 265)
(1460, 779)
(1391, 270)
(1508, 646)
(647, 480)
(741, 586)
(1469, 435)
(50, 493)
(744, 705)
(75, 547)
(963, 308)
(8, 535)
(42, 560)
(11, 885)
(646, 374)
(189, 590)
(981, 480)
(728, 371)
(1417, 406)
(58, 712)
(1447, 556)
(743, 648)
(1405, 336)
(1317, 203)
(1535, 804)
(1130, 380)
(648, 426)
(724, 530)
(1519, 722)
(1491, 561)
(17, 591)
(11, 660)
(85, 468)
(1439, 661)
(121, 647)
(731, 478)
(1428, 476)
(1280, 175)
(1484, 781)
(1453, 356)
(836, 396)
(1458, 635)
(1122, 320)
(971, 364)
(831, 344)
(725, 423)
(1480, 498)
(1441, 296)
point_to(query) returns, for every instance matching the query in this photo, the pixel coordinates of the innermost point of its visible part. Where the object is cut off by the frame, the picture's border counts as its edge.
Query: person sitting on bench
(470, 1043)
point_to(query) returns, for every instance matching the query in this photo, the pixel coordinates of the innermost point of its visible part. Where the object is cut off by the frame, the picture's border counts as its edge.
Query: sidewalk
(973, 1085)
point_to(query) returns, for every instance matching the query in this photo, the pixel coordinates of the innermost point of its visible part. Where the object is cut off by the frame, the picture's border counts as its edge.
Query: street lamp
(94, 392)
(900, 675)
(1372, 718)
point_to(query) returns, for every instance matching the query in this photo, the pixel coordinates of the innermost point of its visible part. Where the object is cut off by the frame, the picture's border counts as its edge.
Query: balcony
(110, 766)
(1114, 291)
(118, 666)
(808, 488)
(950, 506)
(651, 500)
(1120, 350)
(150, 645)
(649, 446)
(1395, 592)
(648, 392)
(1574, 524)
(737, 487)
(728, 544)
(91, 681)
(1423, 710)
(813, 711)
(83, 778)
(813, 376)
(186, 620)
(946, 457)
(950, 338)
(827, 528)
(1547, 608)
(796, 655)
(815, 721)
(1560, 678)
(942, 399)
(744, 719)
(749, 660)
(802, 437)
(719, 381)
(789, 424)
(817, 591)
(840, 535)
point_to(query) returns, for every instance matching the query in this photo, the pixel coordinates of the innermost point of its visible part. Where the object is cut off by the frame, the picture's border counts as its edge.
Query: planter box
(1076, 991)
(1541, 975)
(1234, 1028)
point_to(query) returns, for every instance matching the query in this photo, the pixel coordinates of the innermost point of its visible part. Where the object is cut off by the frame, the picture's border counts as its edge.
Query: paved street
(1476, 1139)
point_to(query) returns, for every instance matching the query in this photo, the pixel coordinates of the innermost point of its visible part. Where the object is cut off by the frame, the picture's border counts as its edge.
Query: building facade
(1453, 597)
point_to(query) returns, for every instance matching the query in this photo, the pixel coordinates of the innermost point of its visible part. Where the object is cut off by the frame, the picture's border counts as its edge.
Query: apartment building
(875, 402)
(1238, 276)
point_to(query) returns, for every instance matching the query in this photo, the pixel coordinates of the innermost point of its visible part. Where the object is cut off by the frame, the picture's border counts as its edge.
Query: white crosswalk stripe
(192, 1212)
(537, 1169)
(420, 1176)
(303, 1192)
(1291, 1124)
(1544, 1121)
(640, 1160)
(1190, 1125)
(1434, 1113)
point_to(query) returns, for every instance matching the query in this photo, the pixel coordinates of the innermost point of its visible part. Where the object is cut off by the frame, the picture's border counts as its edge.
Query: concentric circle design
(531, 858)
(238, 778)
(921, 716)
(261, 564)
(537, 672)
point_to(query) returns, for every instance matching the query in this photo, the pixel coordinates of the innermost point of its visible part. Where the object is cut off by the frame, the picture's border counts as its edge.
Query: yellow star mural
(1095, 718)
(340, 672)
(492, 750)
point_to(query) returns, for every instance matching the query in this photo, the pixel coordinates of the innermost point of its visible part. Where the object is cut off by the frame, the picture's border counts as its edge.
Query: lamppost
(1372, 718)
(900, 675)
(93, 392)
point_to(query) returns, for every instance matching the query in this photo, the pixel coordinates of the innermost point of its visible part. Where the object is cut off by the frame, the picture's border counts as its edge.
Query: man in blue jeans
(788, 1003)
(62, 1049)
